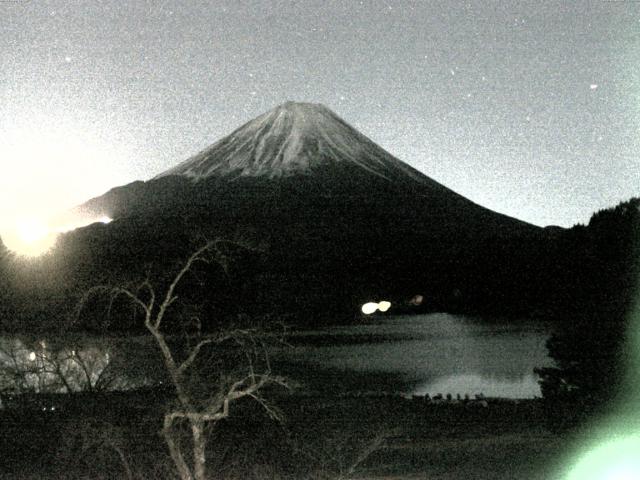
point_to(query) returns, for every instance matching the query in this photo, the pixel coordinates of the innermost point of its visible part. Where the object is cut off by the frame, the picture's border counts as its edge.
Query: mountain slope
(293, 139)
(341, 221)
(301, 149)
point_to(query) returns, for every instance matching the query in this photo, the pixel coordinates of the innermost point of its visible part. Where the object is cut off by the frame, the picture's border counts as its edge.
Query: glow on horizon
(83, 223)
(32, 237)
(49, 165)
(29, 237)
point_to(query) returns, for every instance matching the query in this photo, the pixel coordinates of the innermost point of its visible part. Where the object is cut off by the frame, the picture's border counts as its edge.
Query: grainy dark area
(321, 437)
(319, 240)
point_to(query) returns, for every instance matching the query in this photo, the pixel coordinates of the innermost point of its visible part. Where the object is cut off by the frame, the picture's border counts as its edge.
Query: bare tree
(40, 367)
(201, 400)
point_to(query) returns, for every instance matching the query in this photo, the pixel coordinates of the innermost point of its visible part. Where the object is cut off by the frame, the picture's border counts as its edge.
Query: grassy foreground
(322, 437)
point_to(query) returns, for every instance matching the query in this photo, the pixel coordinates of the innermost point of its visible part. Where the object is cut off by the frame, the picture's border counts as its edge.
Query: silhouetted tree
(208, 371)
(590, 349)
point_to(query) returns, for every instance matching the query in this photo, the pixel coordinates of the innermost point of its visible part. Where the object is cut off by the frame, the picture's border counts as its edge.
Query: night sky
(528, 108)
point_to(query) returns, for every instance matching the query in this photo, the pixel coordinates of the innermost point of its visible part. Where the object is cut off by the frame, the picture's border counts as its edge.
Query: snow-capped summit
(293, 138)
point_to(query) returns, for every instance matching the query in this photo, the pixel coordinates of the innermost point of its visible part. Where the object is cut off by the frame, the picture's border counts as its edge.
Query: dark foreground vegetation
(594, 346)
(326, 437)
(230, 411)
(316, 271)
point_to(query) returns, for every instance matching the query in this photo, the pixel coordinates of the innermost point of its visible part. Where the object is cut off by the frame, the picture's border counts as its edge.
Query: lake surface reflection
(434, 353)
(418, 354)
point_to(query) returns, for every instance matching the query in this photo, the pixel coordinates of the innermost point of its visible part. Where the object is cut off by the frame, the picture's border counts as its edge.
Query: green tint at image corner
(617, 455)
(618, 458)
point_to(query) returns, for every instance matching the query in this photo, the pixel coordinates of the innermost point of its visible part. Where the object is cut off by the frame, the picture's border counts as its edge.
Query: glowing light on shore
(369, 308)
(383, 306)
(372, 307)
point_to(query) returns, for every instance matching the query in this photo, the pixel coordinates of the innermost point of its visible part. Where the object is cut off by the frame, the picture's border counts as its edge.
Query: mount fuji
(293, 147)
(339, 220)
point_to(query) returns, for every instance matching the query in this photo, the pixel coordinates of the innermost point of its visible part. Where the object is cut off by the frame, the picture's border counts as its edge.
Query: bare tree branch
(190, 384)
(195, 351)
(169, 297)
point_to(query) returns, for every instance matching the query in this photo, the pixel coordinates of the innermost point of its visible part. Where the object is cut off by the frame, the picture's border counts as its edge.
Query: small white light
(369, 308)
(32, 356)
(383, 306)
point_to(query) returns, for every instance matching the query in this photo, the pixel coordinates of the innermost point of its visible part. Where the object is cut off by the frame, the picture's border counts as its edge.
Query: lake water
(418, 354)
(433, 353)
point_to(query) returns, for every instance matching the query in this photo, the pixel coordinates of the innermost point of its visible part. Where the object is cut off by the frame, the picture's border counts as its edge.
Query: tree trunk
(123, 461)
(174, 450)
(199, 446)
